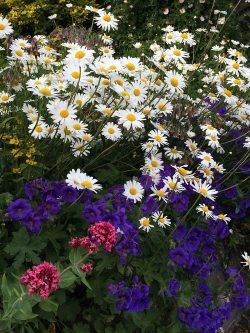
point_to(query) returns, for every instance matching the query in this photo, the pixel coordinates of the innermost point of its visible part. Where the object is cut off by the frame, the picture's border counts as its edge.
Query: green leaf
(82, 276)
(76, 255)
(48, 305)
(67, 279)
(24, 248)
(6, 292)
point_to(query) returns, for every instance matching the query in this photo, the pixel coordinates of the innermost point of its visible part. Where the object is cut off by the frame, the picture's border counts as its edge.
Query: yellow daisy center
(174, 151)
(146, 222)
(19, 52)
(192, 146)
(137, 92)
(111, 130)
(78, 102)
(77, 126)
(228, 93)
(86, 183)
(182, 172)
(160, 193)
(5, 98)
(205, 209)
(64, 113)
(236, 65)
(203, 191)
(75, 75)
(106, 17)
(2, 26)
(207, 171)
(158, 138)
(237, 81)
(130, 66)
(105, 82)
(184, 35)
(45, 91)
(67, 131)
(133, 191)
(177, 53)
(38, 129)
(131, 117)
(80, 54)
(119, 82)
(154, 163)
(174, 82)
(86, 137)
(172, 185)
(162, 106)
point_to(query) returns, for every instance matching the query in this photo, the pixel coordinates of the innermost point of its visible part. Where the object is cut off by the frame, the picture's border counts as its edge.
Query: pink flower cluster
(83, 242)
(87, 268)
(42, 279)
(101, 233)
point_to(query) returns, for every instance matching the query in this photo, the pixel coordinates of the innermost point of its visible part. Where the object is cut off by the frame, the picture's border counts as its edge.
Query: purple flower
(174, 287)
(180, 232)
(19, 209)
(192, 240)
(69, 194)
(149, 206)
(146, 182)
(32, 223)
(231, 192)
(29, 190)
(180, 202)
(179, 256)
(134, 299)
(52, 205)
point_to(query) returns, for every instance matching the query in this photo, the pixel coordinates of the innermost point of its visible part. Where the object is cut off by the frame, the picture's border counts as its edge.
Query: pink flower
(83, 242)
(42, 279)
(87, 268)
(103, 233)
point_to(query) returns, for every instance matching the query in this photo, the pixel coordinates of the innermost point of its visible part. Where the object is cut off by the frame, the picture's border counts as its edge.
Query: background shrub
(31, 16)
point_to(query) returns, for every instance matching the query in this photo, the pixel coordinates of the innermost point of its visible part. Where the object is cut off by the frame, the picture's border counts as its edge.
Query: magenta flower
(103, 233)
(42, 279)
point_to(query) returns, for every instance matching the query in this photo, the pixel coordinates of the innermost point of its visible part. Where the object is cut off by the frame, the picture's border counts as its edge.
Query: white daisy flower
(111, 131)
(133, 190)
(173, 153)
(162, 220)
(246, 257)
(204, 189)
(202, 208)
(157, 138)
(145, 224)
(5, 27)
(130, 119)
(106, 21)
(38, 130)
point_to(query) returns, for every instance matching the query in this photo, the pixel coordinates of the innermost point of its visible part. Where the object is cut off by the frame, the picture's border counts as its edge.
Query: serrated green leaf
(24, 248)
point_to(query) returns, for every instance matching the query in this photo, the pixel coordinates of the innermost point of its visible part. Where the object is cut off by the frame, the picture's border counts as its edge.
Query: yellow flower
(16, 170)
(30, 162)
(16, 153)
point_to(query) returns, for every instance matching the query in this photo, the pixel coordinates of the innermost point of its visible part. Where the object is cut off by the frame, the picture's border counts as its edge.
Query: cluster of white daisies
(86, 95)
